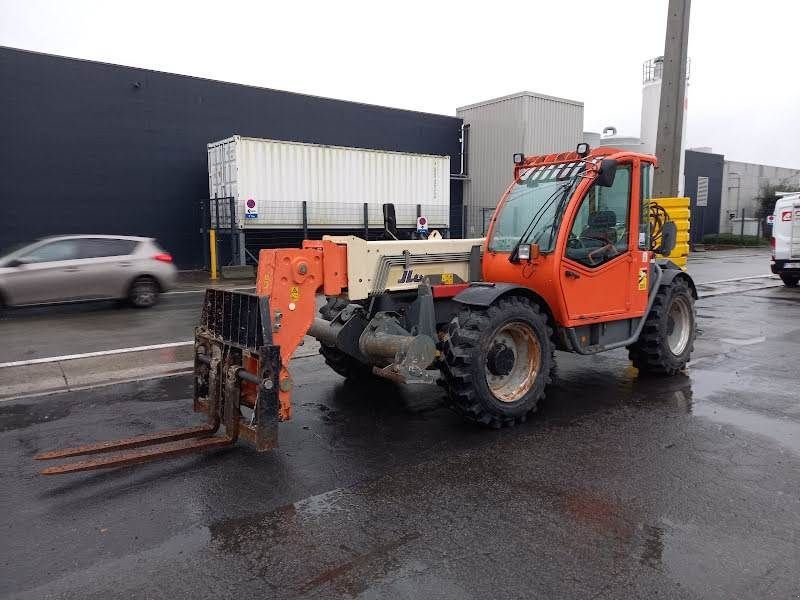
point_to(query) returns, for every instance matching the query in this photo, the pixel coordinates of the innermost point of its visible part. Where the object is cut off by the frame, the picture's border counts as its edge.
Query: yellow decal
(642, 279)
(447, 278)
(294, 293)
(266, 281)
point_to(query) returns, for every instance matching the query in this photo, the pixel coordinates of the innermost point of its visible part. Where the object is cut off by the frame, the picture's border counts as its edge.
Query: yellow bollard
(679, 212)
(212, 242)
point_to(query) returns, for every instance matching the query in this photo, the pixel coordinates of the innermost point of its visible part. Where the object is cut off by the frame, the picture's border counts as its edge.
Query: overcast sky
(433, 56)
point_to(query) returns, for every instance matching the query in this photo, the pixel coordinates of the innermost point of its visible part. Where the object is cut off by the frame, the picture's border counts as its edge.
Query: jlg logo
(409, 277)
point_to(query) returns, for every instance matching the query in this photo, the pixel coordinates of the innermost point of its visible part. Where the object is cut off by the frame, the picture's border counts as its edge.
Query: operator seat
(602, 225)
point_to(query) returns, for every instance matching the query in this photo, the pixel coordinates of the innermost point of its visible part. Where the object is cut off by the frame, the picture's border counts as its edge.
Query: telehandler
(567, 264)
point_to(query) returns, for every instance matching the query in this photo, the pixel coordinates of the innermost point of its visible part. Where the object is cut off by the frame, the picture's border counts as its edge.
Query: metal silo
(652, 73)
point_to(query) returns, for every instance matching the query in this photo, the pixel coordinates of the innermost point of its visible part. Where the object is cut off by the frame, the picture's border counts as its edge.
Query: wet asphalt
(619, 487)
(39, 332)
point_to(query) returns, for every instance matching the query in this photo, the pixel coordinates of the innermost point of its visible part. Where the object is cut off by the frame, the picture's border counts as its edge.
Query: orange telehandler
(568, 264)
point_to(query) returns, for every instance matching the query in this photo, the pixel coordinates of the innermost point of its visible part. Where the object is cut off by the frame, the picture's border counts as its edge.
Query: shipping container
(270, 180)
(523, 122)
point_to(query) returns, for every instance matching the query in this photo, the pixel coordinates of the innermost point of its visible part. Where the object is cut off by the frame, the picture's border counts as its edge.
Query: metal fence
(238, 242)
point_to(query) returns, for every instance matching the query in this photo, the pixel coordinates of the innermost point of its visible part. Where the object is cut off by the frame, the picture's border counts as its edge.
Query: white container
(524, 122)
(334, 181)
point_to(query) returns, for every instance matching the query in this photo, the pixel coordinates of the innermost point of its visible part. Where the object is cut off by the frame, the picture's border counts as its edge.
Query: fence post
(305, 220)
(215, 258)
(741, 232)
(366, 221)
(419, 210)
(231, 227)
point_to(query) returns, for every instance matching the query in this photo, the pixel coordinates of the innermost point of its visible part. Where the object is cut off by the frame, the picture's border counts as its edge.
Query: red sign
(786, 215)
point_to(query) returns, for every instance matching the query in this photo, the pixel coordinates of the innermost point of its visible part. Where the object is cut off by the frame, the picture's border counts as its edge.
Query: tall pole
(673, 97)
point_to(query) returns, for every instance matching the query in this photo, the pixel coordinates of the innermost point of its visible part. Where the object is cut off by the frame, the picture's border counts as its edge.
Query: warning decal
(294, 293)
(642, 279)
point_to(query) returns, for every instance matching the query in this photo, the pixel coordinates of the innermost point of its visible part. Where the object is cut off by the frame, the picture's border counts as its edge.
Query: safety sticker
(642, 279)
(294, 293)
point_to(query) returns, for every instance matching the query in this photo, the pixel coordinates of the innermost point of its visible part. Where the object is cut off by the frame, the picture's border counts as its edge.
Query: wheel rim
(510, 379)
(144, 293)
(679, 325)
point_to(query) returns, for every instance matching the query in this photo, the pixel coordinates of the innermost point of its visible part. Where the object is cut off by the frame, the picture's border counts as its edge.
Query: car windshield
(535, 203)
(9, 250)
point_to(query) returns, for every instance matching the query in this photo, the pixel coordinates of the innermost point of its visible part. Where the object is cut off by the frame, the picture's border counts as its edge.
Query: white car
(786, 239)
(71, 268)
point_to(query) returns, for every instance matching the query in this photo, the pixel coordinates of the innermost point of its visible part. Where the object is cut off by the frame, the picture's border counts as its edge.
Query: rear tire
(667, 339)
(144, 292)
(497, 361)
(790, 280)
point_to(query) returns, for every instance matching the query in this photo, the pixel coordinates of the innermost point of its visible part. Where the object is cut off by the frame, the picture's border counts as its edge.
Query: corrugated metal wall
(704, 219)
(97, 148)
(523, 122)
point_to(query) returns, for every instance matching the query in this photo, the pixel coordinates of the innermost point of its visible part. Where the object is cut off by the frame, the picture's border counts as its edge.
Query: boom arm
(290, 279)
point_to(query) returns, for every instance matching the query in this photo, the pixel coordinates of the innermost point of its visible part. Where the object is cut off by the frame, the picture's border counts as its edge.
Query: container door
(599, 267)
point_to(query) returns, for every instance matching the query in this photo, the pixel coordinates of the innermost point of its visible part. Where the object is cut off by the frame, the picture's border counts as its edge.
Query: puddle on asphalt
(783, 431)
(19, 416)
(745, 341)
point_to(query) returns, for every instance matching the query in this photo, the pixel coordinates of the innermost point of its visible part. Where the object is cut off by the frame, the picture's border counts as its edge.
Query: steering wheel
(574, 242)
(595, 257)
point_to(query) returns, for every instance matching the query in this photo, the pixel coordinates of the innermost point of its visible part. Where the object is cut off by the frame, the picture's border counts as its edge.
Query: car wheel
(144, 292)
(790, 280)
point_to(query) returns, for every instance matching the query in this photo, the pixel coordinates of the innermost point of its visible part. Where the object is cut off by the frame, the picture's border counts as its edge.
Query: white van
(786, 239)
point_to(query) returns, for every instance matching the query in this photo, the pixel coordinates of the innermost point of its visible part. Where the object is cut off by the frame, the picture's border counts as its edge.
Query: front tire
(790, 280)
(497, 361)
(667, 338)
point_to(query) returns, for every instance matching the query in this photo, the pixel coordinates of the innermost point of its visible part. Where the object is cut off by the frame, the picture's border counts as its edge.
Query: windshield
(536, 203)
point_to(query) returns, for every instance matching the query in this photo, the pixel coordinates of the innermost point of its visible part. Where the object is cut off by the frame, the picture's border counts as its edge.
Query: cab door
(600, 264)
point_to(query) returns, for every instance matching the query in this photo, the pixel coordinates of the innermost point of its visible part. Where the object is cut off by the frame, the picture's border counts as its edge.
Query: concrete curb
(42, 379)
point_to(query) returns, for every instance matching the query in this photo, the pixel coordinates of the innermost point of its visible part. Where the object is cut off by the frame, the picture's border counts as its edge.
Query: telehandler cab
(567, 264)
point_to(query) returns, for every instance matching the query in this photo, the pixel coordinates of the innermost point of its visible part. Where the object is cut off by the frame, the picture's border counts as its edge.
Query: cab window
(600, 230)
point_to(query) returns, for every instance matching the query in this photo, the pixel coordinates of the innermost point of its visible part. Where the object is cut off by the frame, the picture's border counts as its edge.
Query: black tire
(790, 280)
(652, 352)
(343, 364)
(467, 361)
(144, 292)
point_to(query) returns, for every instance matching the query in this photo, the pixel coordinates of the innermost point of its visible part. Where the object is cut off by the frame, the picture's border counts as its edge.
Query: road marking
(736, 279)
(50, 359)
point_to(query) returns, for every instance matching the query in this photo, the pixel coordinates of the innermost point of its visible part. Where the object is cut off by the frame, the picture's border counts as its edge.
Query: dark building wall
(94, 148)
(704, 219)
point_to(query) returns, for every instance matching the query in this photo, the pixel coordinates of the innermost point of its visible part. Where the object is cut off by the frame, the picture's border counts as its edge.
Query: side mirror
(669, 237)
(608, 170)
(17, 262)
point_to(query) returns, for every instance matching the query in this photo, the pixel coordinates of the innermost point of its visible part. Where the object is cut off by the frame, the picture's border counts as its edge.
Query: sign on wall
(250, 209)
